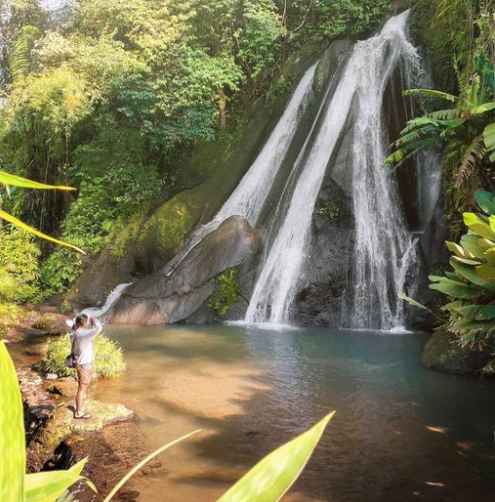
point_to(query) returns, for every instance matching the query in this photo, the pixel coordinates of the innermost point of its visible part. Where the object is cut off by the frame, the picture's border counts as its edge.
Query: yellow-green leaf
(270, 479)
(486, 272)
(478, 226)
(466, 261)
(48, 486)
(23, 226)
(12, 443)
(18, 181)
(459, 251)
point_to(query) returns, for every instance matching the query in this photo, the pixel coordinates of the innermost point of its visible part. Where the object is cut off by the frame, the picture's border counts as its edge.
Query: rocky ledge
(441, 353)
(49, 418)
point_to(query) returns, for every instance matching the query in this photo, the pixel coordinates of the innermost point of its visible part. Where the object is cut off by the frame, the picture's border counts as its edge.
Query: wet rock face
(320, 300)
(158, 299)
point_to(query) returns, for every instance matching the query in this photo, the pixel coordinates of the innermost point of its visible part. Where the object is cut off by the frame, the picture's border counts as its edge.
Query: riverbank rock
(162, 299)
(61, 424)
(441, 353)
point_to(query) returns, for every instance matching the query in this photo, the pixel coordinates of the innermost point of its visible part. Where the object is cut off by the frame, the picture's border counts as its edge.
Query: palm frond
(431, 93)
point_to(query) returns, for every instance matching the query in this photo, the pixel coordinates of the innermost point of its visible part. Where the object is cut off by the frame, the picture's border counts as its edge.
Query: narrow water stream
(401, 432)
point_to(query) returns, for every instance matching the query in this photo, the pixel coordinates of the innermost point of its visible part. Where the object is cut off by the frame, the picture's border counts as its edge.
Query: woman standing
(84, 330)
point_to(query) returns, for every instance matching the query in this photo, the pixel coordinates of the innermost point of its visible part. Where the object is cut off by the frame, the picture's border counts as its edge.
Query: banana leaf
(23, 226)
(48, 486)
(18, 181)
(271, 478)
(478, 226)
(12, 443)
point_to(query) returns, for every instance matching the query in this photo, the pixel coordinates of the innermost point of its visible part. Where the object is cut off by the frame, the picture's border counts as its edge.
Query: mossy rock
(442, 353)
(62, 424)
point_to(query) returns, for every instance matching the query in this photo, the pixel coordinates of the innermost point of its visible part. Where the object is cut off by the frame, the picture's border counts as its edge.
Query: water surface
(401, 432)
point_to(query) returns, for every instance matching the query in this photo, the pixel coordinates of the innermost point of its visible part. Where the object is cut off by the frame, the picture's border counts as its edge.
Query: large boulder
(162, 298)
(442, 353)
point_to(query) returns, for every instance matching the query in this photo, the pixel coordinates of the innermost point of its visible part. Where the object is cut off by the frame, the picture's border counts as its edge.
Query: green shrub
(19, 267)
(228, 292)
(109, 359)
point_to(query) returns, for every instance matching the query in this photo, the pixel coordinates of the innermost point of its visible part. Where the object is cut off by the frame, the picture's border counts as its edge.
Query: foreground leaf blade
(23, 226)
(48, 486)
(271, 478)
(143, 462)
(18, 181)
(12, 444)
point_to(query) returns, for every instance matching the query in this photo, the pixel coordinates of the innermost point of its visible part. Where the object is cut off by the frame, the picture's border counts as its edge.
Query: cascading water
(384, 251)
(111, 300)
(384, 248)
(249, 197)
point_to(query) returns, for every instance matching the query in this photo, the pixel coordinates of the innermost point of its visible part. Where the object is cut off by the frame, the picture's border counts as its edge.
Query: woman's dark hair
(80, 321)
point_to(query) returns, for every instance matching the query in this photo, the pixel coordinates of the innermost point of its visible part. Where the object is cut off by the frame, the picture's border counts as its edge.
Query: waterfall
(111, 300)
(249, 197)
(384, 249)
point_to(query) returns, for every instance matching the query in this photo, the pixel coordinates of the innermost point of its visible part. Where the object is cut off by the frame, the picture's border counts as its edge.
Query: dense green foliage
(109, 359)
(470, 285)
(19, 256)
(227, 293)
(111, 98)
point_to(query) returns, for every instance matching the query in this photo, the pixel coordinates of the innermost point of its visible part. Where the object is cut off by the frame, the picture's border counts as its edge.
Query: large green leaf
(478, 226)
(486, 273)
(23, 226)
(458, 250)
(270, 479)
(471, 243)
(486, 201)
(472, 275)
(431, 93)
(17, 181)
(48, 486)
(12, 443)
(484, 108)
(455, 289)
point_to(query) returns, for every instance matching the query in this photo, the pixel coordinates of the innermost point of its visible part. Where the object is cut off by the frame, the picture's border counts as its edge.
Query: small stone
(51, 376)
